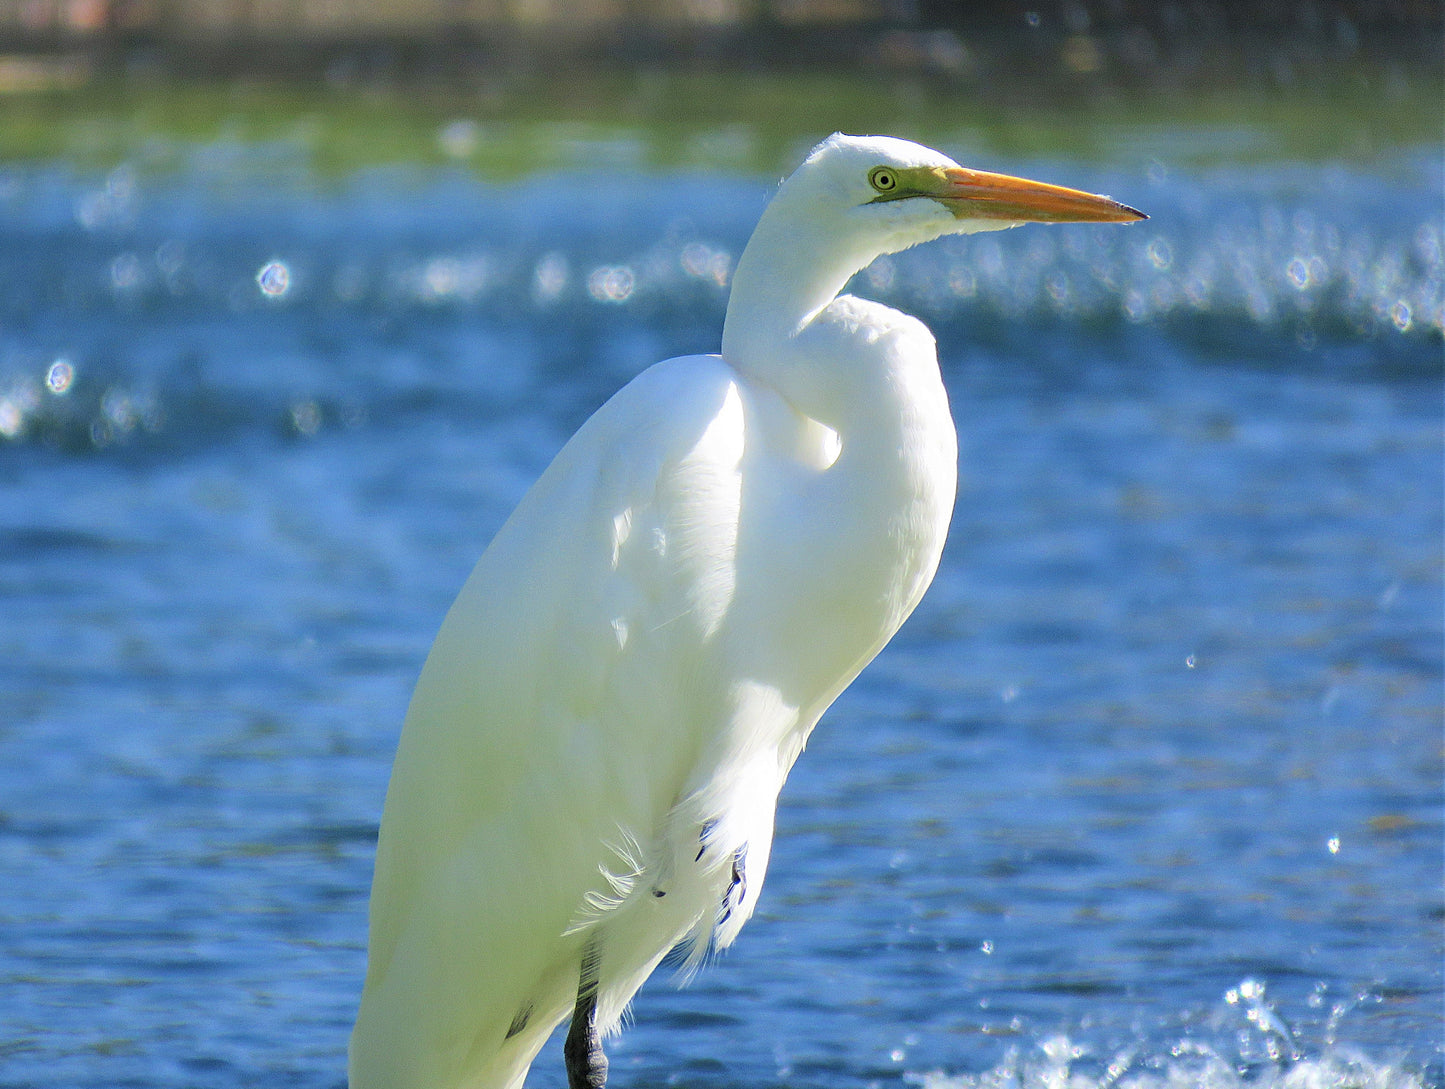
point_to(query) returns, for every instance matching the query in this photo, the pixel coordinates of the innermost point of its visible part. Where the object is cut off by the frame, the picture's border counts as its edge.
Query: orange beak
(977, 194)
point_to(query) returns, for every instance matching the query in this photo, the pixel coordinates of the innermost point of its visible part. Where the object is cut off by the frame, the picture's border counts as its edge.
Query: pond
(1148, 791)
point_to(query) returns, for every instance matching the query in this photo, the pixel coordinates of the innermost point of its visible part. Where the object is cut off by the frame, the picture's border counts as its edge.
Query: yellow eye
(883, 179)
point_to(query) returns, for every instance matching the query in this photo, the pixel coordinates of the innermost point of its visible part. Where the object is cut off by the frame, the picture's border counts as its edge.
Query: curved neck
(790, 270)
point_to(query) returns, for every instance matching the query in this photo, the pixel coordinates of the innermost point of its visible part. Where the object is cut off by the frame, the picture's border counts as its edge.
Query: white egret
(590, 765)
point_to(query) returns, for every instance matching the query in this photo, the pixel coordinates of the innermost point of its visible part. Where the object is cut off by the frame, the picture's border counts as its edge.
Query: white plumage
(590, 765)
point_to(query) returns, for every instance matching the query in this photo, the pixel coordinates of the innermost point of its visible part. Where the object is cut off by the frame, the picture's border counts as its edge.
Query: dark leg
(586, 1064)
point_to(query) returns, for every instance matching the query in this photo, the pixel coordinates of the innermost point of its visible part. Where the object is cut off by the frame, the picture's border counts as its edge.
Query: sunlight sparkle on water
(459, 139)
(274, 279)
(611, 283)
(59, 376)
(549, 278)
(19, 401)
(126, 272)
(703, 262)
(306, 417)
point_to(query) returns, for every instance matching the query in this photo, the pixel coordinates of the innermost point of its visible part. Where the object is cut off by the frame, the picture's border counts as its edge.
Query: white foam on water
(1265, 1055)
(1187, 1066)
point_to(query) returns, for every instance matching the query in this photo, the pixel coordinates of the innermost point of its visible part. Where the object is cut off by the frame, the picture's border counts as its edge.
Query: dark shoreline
(1063, 50)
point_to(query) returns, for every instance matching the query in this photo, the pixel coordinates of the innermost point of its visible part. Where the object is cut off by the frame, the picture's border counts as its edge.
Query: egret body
(591, 761)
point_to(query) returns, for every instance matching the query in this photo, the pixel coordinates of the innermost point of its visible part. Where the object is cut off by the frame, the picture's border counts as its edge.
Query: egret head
(857, 197)
(898, 194)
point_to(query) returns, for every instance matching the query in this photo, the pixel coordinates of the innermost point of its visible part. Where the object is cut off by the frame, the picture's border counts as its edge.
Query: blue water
(1148, 792)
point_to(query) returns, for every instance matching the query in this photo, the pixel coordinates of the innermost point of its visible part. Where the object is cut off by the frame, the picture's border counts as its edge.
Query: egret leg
(586, 1064)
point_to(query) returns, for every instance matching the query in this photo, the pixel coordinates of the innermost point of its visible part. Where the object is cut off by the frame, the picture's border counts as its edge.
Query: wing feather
(558, 711)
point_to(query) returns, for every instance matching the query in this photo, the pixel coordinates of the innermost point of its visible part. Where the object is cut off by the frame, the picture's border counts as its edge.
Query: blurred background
(301, 296)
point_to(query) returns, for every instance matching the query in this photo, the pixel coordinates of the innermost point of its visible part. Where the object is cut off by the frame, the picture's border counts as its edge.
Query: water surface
(1148, 792)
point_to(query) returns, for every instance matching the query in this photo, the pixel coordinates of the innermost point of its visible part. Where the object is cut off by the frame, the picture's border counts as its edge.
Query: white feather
(594, 751)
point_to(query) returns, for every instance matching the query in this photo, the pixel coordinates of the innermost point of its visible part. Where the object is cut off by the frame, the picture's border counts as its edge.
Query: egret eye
(883, 179)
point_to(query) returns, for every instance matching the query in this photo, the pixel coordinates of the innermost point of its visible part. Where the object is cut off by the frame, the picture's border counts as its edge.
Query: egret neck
(870, 375)
(794, 265)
